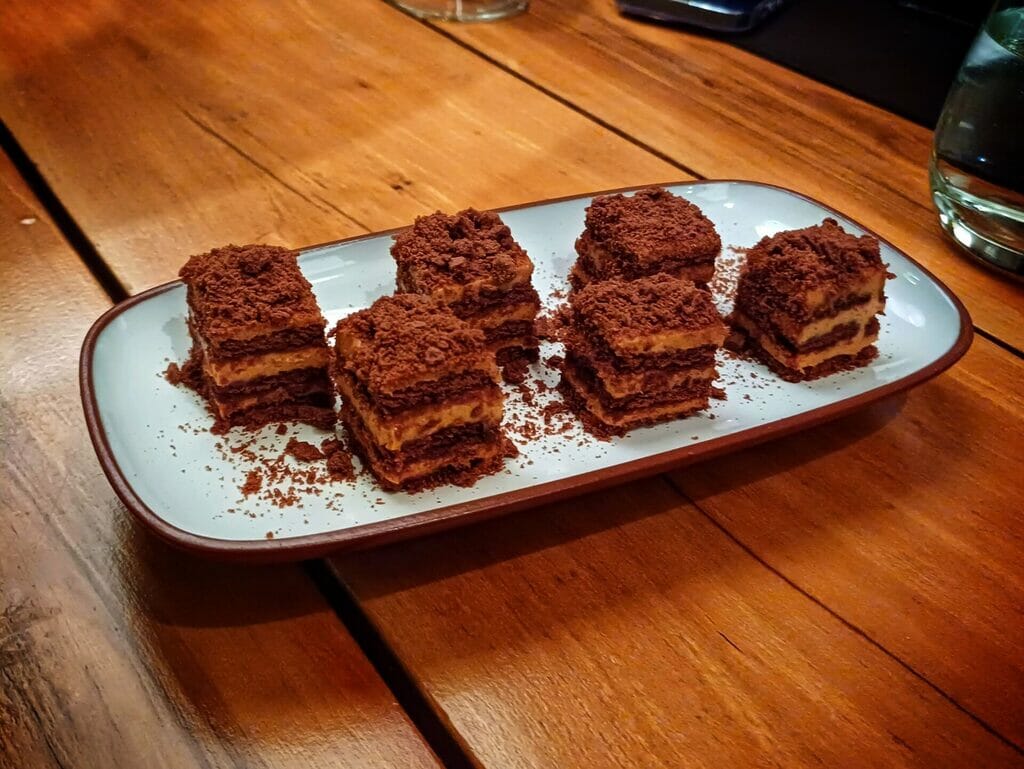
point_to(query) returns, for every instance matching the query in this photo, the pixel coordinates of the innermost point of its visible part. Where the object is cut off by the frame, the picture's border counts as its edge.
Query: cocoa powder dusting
(442, 250)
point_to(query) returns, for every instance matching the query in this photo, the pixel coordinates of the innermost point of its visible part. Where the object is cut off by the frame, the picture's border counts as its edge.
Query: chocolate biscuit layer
(492, 300)
(310, 413)
(639, 401)
(456, 457)
(285, 339)
(746, 344)
(603, 357)
(300, 381)
(451, 388)
(514, 329)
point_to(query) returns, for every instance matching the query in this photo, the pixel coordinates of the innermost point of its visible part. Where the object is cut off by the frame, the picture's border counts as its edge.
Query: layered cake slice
(420, 394)
(640, 352)
(259, 352)
(807, 301)
(471, 262)
(651, 231)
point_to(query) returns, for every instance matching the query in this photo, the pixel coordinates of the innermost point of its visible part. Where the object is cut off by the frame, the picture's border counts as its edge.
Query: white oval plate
(153, 442)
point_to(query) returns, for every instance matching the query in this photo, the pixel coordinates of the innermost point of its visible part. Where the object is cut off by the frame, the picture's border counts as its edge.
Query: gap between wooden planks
(114, 650)
(720, 112)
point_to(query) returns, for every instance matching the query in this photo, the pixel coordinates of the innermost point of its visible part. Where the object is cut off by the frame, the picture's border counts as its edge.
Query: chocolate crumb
(253, 482)
(303, 451)
(515, 370)
(339, 465)
(189, 374)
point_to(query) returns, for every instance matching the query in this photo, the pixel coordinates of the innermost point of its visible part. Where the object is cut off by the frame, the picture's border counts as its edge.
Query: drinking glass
(462, 10)
(977, 165)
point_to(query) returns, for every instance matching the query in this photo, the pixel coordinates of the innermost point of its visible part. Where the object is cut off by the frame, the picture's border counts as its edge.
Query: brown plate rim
(419, 524)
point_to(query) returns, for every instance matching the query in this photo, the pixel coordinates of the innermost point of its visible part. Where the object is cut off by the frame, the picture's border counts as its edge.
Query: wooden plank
(906, 520)
(114, 650)
(725, 113)
(169, 130)
(626, 629)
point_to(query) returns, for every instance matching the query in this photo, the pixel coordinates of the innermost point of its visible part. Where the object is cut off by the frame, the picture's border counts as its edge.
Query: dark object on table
(718, 15)
(901, 55)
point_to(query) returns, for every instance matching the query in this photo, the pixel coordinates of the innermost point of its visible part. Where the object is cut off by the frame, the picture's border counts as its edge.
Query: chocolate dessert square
(807, 301)
(651, 231)
(471, 262)
(259, 354)
(641, 352)
(420, 393)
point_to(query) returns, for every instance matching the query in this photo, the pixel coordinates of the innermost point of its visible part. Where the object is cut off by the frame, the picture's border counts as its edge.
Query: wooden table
(850, 596)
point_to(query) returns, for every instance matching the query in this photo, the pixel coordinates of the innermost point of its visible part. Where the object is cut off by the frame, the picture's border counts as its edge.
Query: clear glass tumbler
(977, 167)
(462, 10)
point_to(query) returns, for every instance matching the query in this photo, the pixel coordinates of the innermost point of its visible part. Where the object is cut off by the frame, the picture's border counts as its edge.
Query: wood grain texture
(626, 629)
(906, 520)
(171, 129)
(114, 650)
(725, 113)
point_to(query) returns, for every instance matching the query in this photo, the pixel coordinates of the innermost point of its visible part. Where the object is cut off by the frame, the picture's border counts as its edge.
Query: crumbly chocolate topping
(235, 287)
(403, 337)
(650, 225)
(445, 249)
(781, 270)
(617, 308)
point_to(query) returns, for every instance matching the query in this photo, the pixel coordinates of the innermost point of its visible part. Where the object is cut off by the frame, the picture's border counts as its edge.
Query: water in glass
(977, 168)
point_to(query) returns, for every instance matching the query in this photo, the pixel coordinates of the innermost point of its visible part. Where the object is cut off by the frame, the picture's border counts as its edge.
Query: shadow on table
(252, 655)
(778, 457)
(176, 588)
(574, 523)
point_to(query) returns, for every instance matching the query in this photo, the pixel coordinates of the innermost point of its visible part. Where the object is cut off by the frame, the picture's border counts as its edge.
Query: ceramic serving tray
(185, 483)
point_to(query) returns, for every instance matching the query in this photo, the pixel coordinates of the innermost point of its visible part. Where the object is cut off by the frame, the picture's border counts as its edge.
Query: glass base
(462, 10)
(979, 226)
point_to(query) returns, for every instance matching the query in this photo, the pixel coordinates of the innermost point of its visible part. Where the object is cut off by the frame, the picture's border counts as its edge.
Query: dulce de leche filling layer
(265, 364)
(668, 341)
(394, 431)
